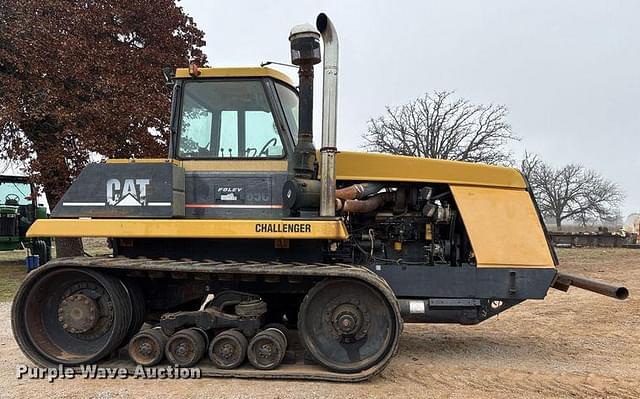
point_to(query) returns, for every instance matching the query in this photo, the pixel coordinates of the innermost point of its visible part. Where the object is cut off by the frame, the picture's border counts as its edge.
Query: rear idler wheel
(186, 347)
(138, 306)
(267, 349)
(346, 325)
(70, 316)
(147, 347)
(228, 349)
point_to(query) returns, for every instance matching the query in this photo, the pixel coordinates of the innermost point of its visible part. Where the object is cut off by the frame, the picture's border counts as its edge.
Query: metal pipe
(363, 206)
(358, 191)
(329, 110)
(563, 281)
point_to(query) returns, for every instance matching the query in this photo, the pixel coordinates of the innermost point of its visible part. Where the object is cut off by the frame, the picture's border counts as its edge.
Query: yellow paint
(503, 227)
(382, 167)
(144, 160)
(189, 228)
(369, 167)
(213, 165)
(428, 233)
(239, 165)
(236, 72)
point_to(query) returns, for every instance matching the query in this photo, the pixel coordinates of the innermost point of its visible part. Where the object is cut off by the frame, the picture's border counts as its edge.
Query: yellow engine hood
(382, 167)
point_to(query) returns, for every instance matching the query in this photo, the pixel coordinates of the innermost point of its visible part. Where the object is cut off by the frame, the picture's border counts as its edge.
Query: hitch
(563, 281)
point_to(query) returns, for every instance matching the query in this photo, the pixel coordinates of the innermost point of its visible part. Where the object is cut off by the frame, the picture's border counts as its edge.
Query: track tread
(318, 270)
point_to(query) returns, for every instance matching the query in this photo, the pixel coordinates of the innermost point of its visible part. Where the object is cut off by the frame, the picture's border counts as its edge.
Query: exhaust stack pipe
(329, 110)
(305, 53)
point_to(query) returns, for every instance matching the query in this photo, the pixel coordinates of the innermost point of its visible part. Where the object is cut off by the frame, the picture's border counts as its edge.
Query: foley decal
(283, 228)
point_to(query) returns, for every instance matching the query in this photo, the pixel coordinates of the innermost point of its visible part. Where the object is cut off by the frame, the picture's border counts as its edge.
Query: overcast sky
(569, 71)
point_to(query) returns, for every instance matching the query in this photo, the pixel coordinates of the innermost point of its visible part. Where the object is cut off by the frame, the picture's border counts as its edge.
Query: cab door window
(228, 119)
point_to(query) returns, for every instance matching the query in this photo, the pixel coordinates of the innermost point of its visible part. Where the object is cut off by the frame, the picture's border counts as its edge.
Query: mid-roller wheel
(267, 349)
(228, 349)
(147, 347)
(346, 325)
(186, 347)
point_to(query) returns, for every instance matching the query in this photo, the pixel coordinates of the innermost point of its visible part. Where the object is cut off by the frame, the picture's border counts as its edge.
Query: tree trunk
(559, 223)
(54, 176)
(68, 247)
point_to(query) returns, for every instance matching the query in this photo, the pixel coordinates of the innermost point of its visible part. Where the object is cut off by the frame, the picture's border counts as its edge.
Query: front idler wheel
(346, 325)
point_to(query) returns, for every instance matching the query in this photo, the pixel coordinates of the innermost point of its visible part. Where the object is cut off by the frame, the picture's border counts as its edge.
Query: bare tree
(439, 126)
(571, 192)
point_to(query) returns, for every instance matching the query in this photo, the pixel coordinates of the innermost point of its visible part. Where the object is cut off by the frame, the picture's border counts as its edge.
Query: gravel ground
(575, 344)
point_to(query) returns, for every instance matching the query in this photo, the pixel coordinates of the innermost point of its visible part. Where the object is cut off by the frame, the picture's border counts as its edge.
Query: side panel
(294, 228)
(503, 227)
(466, 281)
(125, 190)
(234, 195)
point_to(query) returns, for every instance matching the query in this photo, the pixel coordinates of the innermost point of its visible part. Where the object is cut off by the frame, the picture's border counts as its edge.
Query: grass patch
(12, 277)
(13, 269)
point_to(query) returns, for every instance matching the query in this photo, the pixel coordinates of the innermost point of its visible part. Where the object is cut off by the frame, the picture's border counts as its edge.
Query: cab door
(234, 142)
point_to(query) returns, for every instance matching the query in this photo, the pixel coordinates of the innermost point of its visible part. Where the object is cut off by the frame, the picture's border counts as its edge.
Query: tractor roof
(237, 72)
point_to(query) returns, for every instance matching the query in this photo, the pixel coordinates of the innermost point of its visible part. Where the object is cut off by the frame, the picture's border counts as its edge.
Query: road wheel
(147, 347)
(228, 349)
(267, 349)
(186, 347)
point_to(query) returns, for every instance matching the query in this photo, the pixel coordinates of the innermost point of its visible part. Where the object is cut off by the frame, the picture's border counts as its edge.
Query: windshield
(227, 119)
(289, 101)
(15, 193)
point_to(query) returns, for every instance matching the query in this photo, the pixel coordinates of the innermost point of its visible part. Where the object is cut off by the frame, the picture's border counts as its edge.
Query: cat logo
(131, 192)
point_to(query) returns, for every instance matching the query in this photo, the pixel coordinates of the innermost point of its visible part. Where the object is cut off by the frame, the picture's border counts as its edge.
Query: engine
(406, 224)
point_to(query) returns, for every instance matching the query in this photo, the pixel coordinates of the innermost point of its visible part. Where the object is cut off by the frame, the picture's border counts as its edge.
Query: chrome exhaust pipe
(329, 111)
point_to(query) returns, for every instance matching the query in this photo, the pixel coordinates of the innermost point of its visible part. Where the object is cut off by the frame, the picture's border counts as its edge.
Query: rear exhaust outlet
(329, 110)
(563, 281)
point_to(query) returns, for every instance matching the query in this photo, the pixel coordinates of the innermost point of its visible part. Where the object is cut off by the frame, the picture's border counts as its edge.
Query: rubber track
(315, 270)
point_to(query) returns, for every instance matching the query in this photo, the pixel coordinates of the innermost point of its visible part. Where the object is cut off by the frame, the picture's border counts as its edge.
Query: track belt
(212, 268)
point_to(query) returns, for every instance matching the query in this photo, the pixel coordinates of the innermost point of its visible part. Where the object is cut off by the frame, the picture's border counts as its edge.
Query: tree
(85, 76)
(571, 192)
(439, 126)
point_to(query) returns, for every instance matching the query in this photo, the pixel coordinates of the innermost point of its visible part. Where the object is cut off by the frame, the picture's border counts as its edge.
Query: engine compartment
(414, 225)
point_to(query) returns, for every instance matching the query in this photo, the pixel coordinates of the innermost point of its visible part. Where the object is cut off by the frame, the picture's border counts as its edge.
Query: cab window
(289, 100)
(227, 119)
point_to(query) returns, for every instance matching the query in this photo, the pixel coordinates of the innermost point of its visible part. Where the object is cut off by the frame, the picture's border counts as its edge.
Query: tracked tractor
(250, 253)
(19, 208)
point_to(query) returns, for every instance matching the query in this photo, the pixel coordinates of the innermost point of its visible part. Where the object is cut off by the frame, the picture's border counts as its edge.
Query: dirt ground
(575, 344)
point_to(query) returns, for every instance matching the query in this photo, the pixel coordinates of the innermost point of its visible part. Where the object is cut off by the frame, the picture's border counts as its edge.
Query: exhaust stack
(305, 53)
(329, 110)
